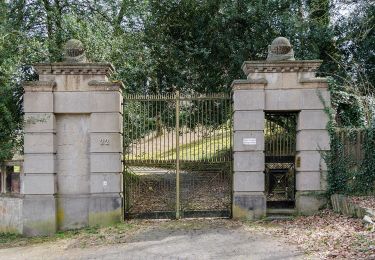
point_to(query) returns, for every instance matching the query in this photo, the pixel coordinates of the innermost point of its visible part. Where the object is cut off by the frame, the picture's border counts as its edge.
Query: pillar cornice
(280, 66)
(64, 68)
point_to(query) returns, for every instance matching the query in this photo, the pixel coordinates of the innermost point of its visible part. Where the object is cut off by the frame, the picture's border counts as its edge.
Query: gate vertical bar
(177, 154)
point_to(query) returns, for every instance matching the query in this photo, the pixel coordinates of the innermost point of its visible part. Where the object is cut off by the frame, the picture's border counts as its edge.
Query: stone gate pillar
(73, 145)
(279, 84)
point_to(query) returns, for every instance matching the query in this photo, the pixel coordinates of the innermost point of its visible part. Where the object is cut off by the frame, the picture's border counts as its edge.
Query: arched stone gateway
(276, 91)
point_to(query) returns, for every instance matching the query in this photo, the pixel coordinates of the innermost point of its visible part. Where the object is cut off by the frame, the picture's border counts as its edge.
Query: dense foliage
(158, 46)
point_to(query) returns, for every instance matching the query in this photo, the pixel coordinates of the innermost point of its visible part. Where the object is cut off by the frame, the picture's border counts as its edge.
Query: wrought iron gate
(280, 150)
(177, 155)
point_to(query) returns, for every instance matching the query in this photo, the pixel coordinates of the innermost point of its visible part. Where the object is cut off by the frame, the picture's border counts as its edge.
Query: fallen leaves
(327, 235)
(364, 201)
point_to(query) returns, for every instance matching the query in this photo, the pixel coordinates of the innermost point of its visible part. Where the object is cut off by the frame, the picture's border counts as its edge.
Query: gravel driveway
(186, 239)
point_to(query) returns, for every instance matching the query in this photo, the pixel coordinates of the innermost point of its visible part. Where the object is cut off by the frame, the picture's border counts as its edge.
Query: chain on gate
(178, 155)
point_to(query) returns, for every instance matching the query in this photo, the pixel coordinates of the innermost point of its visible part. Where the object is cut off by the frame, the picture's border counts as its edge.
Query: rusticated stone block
(313, 140)
(308, 181)
(39, 184)
(248, 181)
(39, 163)
(248, 100)
(248, 120)
(248, 161)
(39, 215)
(40, 123)
(105, 182)
(310, 202)
(105, 162)
(310, 161)
(106, 142)
(312, 119)
(280, 99)
(249, 206)
(38, 102)
(248, 141)
(105, 209)
(39, 143)
(72, 211)
(106, 123)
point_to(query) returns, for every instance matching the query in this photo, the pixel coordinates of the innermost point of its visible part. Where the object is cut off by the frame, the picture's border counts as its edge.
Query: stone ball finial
(74, 51)
(280, 49)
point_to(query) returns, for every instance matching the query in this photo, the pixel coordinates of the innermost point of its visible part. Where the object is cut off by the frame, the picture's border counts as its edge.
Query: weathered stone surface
(308, 181)
(73, 183)
(315, 98)
(248, 84)
(298, 99)
(105, 162)
(39, 215)
(313, 140)
(73, 158)
(75, 82)
(310, 161)
(39, 143)
(40, 122)
(38, 102)
(75, 101)
(248, 100)
(241, 141)
(11, 215)
(106, 102)
(48, 71)
(105, 182)
(279, 85)
(74, 51)
(248, 161)
(312, 119)
(106, 123)
(249, 206)
(309, 202)
(72, 211)
(106, 142)
(280, 49)
(72, 102)
(248, 181)
(248, 120)
(282, 100)
(39, 163)
(39, 184)
(105, 209)
(259, 66)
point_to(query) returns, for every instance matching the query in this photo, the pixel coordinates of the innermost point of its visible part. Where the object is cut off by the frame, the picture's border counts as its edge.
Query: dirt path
(188, 239)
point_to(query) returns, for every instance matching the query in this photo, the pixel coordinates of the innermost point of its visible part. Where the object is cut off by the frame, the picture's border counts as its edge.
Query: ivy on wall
(348, 174)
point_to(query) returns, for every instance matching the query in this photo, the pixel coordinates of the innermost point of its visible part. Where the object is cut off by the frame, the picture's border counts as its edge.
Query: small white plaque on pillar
(249, 141)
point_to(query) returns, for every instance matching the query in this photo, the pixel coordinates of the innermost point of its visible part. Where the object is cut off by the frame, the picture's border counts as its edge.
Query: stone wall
(11, 215)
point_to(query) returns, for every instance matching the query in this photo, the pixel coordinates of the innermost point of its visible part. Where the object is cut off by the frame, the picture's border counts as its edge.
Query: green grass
(203, 149)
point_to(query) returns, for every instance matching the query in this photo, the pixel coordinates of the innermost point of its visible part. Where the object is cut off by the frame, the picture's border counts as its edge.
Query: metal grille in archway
(280, 150)
(177, 155)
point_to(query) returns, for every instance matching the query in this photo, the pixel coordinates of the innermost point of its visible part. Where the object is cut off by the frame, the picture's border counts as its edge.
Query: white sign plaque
(249, 141)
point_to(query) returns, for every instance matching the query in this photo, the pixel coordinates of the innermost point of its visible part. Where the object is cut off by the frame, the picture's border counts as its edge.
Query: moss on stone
(105, 218)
